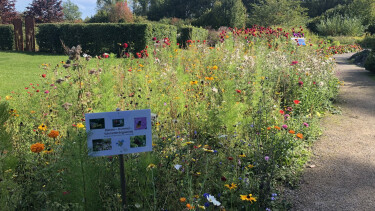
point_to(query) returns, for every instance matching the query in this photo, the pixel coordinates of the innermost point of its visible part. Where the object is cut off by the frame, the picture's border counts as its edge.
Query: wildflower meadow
(232, 124)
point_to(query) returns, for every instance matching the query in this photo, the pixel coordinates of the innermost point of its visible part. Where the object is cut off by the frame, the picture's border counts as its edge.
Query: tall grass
(339, 25)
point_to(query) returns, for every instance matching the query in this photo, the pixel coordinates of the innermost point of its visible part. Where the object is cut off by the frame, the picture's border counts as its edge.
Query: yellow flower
(231, 186)
(242, 155)
(182, 199)
(48, 151)
(42, 127)
(193, 82)
(151, 166)
(36, 148)
(80, 125)
(250, 166)
(201, 207)
(249, 198)
(8, 97)
(215, 67)
(209, 78)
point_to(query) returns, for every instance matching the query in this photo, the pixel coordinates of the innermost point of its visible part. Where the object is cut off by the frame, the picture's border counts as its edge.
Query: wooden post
(123, 182)
(30, 33)
(18, 34)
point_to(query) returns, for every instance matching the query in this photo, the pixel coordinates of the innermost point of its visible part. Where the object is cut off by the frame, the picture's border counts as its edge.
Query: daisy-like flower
(231, 186)
(42, 127)
(213, 200)
(249, 198)
(299, 135)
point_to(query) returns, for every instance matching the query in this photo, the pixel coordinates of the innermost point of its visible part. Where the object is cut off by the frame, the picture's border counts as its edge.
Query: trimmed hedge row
(99, 38)
(6, 37)
(191, 33)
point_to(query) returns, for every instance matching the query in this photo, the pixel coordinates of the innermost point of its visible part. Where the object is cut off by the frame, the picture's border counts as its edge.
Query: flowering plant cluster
(230, 124)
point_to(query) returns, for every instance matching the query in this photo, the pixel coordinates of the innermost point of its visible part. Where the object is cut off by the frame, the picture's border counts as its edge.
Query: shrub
(6, 37)
(191, 33)
(370, 62)
(278, 12)
(368, 42)
(340, 25)
(100, 38)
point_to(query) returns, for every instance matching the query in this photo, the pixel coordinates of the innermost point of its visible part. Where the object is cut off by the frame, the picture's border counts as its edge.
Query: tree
(7, 11)
(120, 12)
(224, 13)
(46, 11)
(71, 11)
(278, 12)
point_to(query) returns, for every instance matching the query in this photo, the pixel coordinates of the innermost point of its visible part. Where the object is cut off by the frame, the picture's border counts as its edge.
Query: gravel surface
(344, 174)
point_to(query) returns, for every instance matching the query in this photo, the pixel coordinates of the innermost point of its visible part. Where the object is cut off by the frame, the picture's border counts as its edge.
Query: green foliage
(6, 37)
(340, 25)
(191, 33)
(99, 38)
(362, 9)
(278, 12)
(230, 13)
(370, 62)
(71, 11)
(318, 7)
(368, 42)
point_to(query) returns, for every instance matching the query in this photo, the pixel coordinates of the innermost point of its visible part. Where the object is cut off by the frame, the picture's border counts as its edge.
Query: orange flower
(299, 135)
(292, 132)
(277, 128)
(182, 199)
(269, 128)
(53, 134)
(36, 148)
(189, 206)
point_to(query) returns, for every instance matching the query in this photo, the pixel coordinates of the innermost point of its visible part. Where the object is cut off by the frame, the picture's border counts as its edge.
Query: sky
(86, 7)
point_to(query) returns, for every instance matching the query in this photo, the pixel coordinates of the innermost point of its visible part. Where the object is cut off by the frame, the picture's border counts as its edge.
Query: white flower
(177, 166)
(215, 90)
(212, 199)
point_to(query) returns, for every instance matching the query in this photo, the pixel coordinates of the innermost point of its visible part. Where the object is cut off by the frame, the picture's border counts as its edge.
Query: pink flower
(266, 158)
(285, 126)
(300, 83)
(154, 38)
(44, 75)
(305, 124)
(46, 91)
(125, 45)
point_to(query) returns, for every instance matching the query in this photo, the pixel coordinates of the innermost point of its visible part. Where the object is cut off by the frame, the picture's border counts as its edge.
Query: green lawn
(18, 70)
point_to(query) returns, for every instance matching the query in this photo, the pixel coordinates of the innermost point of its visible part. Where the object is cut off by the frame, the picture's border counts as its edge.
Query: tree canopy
(46, 11)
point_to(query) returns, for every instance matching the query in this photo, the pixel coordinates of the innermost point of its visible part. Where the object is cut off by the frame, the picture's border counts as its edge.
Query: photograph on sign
(120, 132)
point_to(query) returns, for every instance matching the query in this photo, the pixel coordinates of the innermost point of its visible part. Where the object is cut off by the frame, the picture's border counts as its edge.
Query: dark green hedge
(6, 37)
(99, 38)
(191, 33)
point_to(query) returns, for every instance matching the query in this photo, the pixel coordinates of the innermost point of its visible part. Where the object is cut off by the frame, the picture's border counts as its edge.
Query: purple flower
(285, 126)
(286, 116)
(266, 158)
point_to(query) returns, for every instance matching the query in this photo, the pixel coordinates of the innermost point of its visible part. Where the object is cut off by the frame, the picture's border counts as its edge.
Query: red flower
(238, 91)
(44, 75)
(294, 62)
(125, 45)
(300, 83)
(282, 112)
(154, 38)
(223, 179)
(296, 102)
(230, 158)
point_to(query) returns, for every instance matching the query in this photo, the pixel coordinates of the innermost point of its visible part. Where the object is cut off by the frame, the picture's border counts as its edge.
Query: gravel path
(344, 176)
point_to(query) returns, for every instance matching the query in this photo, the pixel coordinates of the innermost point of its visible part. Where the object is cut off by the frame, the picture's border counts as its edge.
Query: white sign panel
(119, 132)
